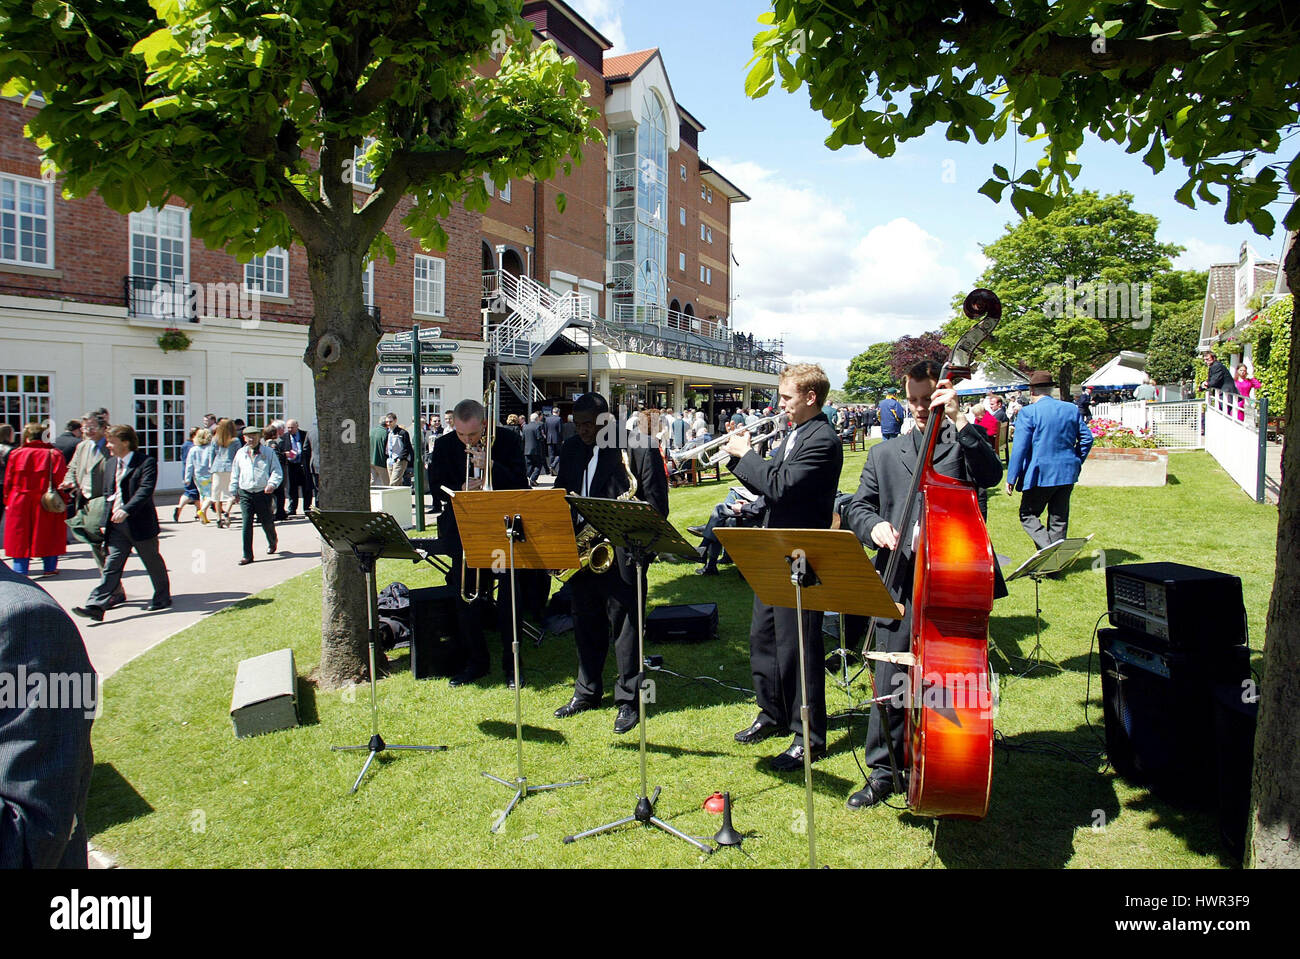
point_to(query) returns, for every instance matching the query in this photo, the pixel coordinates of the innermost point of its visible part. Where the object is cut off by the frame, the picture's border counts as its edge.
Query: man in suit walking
(553, 441)
(45, 753)
(1052, 441)
(297, 450)
(254, 478)
(458, 463)
(875, 512)
(798, 486)
(608, 600)
(130, 478)
(892, 415)
(534, 448)
(399, 452)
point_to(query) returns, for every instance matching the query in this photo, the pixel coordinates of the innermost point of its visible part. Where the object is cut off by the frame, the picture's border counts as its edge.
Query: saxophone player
(458, 463)
(607, 601)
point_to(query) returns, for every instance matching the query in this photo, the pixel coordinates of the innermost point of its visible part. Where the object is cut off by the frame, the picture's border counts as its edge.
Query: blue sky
(840, 249)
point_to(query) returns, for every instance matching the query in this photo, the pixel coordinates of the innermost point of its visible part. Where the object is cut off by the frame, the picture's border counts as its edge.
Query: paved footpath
(203, 565)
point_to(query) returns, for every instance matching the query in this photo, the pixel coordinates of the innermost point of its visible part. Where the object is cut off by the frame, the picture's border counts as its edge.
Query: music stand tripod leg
(514, 530)
(645, 806)
(1035, 657)
(797, 576)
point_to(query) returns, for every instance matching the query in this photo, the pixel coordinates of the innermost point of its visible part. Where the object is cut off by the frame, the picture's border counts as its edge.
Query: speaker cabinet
(434, 651)
(1159, 711)
(691, 623)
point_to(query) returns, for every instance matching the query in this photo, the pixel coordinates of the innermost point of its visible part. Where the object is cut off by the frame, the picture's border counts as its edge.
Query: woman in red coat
(29, 529)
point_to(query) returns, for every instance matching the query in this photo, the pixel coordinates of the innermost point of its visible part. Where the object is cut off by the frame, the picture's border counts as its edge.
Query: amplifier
(434, 650)
(1159, 711)
(1176, 606)
(692, 623)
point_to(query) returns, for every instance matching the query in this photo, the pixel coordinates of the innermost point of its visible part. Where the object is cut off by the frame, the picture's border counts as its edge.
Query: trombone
(705, 451)
(484, 444)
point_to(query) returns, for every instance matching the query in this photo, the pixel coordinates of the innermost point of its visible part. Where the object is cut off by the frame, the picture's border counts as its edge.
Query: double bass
(949, 731)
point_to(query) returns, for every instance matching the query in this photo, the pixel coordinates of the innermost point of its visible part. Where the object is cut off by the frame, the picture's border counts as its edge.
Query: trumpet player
(606, 602)
(459, 462)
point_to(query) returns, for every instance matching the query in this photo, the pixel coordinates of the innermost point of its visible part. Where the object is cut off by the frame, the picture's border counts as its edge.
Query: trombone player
(606, 602)
(459, 463)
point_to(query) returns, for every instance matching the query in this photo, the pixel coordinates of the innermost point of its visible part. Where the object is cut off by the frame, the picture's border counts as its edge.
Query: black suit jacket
(534, 439)
(799, 490)
(1219, 378)
(135, 493)
(552, 423)
(304, 457)
(447, 468)
(611, 481)
(887, 479)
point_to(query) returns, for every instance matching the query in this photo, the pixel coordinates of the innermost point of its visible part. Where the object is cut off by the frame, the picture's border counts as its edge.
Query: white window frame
(681, 215)
(702, 228)
(266, 399)
(177, 303)
(15, 217)
(30, 401)
(681, 262)
(682, 167)
(504, 194)
(261, 263)
(430, 291)
(362, 172)
(703, 191)
(708, 276)
(710, 236)
(368, 285)
(701, 272)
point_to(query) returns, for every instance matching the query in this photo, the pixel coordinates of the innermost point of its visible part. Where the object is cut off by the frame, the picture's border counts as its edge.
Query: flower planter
(1109, 466)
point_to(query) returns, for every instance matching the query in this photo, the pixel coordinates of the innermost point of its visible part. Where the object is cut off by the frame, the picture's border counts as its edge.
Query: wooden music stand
(518, 529)
(822, 569)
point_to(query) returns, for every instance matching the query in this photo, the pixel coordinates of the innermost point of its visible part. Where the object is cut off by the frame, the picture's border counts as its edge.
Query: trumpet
(705, 452)
(484, 445)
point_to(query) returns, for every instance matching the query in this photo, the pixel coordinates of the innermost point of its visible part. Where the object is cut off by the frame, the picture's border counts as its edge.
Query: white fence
(1175, 426)
(1235, 436)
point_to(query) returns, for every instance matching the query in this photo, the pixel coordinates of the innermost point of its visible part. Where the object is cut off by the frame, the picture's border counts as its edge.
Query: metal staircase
(536, 316)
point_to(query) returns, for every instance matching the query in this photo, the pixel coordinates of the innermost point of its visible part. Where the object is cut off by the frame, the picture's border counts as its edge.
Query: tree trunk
(341, 354)
(1064, 379)
(1275, 802)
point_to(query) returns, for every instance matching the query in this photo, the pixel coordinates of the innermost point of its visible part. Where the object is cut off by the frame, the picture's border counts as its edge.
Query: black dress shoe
(245, 561)
(708, 569)
(792, 759)
(465, 677)
(90, 612)
(117, 600)
(574, 706)
(273, 548)
(696, 530)
(510, 682)
(158, 604)
(627, 718)
(872, 794)
(756, 732)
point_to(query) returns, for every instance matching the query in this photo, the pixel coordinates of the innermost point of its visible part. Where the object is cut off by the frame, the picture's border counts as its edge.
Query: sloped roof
(1222, 287)
(627, 65)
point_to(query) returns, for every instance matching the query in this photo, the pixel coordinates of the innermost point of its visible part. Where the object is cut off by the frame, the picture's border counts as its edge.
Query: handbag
(52, 500)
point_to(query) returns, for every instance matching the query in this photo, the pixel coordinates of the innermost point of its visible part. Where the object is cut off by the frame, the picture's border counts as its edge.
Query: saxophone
(595, 552)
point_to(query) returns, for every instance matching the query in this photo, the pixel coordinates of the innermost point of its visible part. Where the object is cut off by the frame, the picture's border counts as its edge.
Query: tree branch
(403, 170)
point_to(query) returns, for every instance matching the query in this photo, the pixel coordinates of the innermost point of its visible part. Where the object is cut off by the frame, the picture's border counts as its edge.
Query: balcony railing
(654, 344)
(668, 319)
(161, 299)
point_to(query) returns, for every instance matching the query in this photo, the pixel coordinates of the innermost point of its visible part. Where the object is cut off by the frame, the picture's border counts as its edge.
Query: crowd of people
(94, 484)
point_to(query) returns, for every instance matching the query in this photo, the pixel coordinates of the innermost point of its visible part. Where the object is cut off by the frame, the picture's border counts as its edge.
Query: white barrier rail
(1234, 436)
(1175, 426)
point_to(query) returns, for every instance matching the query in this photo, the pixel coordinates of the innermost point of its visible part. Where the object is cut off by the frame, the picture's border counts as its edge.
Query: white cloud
(607, 17)
(1201, 256)
(829, 282)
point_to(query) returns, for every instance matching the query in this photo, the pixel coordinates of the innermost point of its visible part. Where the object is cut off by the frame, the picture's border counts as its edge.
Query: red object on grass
(714, 804)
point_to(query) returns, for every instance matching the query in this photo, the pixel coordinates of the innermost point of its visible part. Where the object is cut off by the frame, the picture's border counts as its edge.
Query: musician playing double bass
(458, 463)
(798, 484)
(962, 451)
(603, 460)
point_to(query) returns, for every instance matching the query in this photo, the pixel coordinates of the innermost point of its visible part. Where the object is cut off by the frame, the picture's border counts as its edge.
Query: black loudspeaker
(1159, 713)
(434, 651)
(692, 623)
(1175, 606)
(1235, 716)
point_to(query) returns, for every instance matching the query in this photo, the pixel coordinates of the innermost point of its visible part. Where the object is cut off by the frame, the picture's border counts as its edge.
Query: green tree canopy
(253, 113)
(870, 375)
(1077, 285)
(1172, 353)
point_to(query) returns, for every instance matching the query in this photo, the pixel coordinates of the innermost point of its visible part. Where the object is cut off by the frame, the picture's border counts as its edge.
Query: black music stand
(638, 528)
(370, 536)
(1046, 562)
(538, 534)
(823, 569)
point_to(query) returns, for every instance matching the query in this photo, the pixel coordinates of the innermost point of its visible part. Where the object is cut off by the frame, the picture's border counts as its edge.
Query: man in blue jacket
(1051, 442)
(892, 414)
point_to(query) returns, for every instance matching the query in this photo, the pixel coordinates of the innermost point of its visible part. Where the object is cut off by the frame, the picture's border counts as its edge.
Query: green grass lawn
(173, 787)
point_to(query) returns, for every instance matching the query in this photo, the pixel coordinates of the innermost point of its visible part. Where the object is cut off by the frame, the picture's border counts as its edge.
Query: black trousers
(604, 606)
(299, 483)
(1056, 500)
(774, 660)
(280, 514)
(470, 641)
(259, 505)
(552, 458)
(118, 545)
(892, 636)
(536, 463)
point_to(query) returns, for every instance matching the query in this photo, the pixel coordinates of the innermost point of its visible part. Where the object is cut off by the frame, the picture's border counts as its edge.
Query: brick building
(629, 285)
